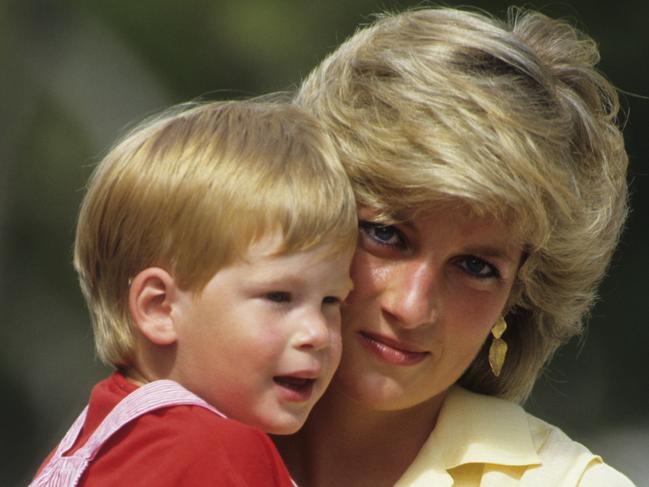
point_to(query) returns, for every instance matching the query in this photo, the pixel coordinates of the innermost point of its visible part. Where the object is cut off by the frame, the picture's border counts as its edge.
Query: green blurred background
(75, 73)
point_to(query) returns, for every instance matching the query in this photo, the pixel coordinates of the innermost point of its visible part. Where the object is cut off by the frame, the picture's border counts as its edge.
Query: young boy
(213, 249)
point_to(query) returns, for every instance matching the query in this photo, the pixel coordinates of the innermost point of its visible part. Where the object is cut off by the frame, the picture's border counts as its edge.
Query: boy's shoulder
(178, 445)
(184, 423)
(188, 445)
(198, 428)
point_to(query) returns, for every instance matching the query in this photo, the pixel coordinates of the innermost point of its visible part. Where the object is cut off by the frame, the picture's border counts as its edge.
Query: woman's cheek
(367, 273)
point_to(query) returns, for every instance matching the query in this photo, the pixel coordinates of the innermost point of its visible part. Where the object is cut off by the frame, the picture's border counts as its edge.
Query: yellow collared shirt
(490, 442)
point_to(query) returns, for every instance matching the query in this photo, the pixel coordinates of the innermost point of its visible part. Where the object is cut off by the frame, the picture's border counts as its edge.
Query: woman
(490, 175)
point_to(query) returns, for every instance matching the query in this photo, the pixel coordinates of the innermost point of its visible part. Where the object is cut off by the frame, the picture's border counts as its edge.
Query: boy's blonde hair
(446, 106)
(190, 190)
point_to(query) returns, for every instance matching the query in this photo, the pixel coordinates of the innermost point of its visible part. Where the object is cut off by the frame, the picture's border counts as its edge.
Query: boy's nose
(315, 332)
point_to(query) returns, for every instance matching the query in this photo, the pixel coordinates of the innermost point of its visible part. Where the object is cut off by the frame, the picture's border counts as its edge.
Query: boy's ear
(150, 301)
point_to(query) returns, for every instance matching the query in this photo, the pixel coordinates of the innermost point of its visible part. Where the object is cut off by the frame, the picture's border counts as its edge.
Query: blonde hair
(437, 106)
(191, 189)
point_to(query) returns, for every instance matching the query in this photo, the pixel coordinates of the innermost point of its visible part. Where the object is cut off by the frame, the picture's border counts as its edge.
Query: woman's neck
(346, 444)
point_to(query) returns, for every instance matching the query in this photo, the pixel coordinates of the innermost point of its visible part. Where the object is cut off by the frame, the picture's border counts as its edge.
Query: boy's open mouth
(295, 389)
(297, 384)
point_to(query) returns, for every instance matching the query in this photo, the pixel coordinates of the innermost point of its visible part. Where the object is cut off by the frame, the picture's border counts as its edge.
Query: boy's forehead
(268, 244)
(262, 265)
(275, 244)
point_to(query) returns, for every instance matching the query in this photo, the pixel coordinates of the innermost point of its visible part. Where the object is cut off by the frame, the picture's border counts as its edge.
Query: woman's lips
(391, 351)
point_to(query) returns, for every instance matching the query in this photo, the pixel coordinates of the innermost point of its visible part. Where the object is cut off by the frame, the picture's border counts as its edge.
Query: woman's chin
(372, 390)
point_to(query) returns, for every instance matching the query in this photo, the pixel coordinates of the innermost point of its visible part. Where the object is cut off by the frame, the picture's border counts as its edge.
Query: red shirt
(176, 446)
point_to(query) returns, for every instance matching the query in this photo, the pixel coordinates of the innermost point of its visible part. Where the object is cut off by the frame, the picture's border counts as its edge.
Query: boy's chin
(285, 426)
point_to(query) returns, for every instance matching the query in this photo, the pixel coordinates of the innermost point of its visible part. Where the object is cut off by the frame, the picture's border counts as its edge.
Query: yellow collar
(473, 428)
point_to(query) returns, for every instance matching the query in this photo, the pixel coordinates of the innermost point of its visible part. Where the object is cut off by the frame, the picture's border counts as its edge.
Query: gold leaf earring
(498, 348)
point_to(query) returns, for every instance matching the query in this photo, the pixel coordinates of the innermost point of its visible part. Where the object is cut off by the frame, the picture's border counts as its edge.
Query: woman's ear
(150, 300)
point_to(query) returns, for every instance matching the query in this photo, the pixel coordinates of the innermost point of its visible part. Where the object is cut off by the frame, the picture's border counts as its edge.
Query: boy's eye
(278, 296)
(331, 300)
(478, 267)
(382, 234)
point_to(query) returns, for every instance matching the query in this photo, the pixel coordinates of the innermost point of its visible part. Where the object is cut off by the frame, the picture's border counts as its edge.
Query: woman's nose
(413, 296)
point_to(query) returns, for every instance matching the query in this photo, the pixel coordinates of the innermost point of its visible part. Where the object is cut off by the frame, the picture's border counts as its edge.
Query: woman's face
(426, 294)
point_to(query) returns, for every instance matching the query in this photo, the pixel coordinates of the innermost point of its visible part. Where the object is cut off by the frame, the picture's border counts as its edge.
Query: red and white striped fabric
(65, 471)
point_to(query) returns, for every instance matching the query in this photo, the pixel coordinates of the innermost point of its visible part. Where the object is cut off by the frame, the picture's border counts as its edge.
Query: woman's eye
(278, 296)
(382, 234)
(478, 267)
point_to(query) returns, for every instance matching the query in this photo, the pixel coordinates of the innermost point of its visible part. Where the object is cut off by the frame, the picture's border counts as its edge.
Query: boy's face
(262, 340)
